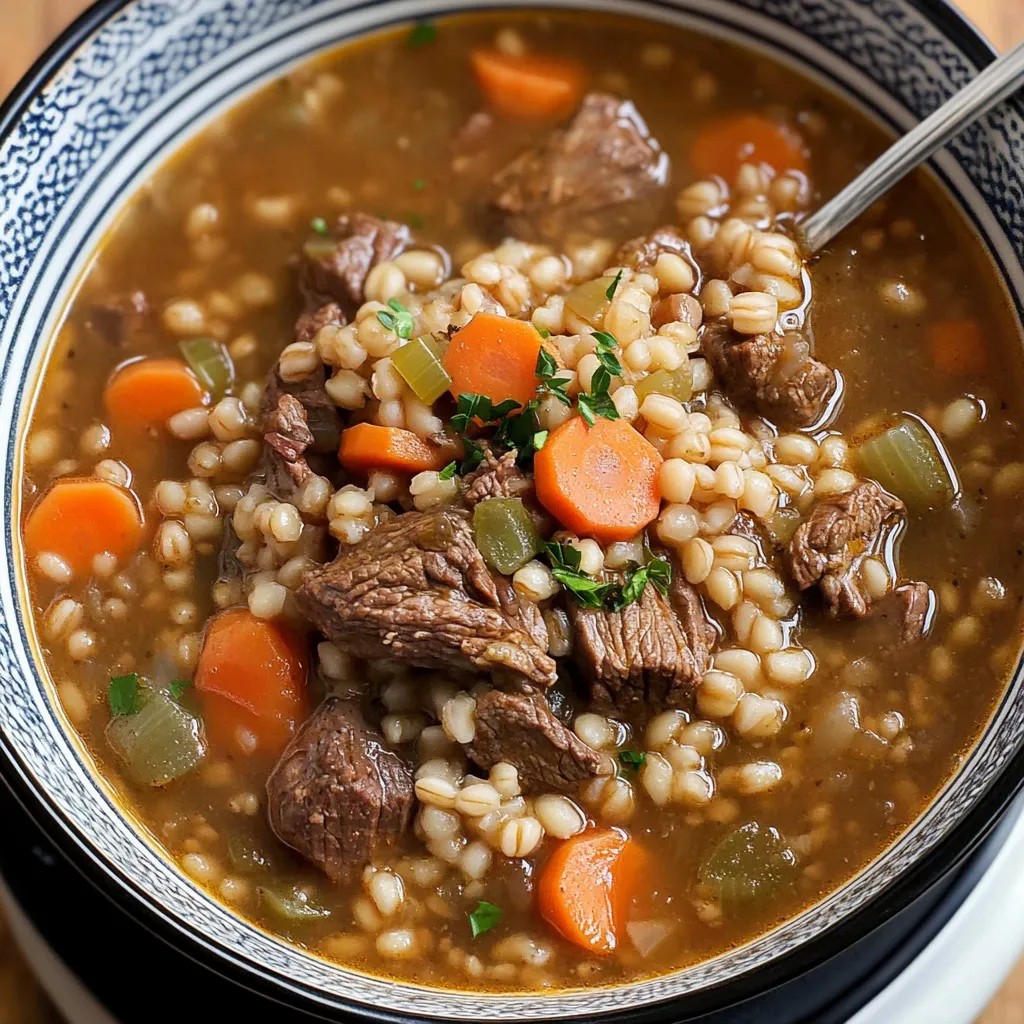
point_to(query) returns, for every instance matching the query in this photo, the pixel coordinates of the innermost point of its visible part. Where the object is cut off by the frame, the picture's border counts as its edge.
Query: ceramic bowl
(127, 85)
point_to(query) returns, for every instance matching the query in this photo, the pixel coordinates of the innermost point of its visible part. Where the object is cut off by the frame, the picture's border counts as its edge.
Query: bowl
(122, 89)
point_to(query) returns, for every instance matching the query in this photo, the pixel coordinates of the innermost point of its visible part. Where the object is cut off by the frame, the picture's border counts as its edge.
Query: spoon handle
(1001, 78)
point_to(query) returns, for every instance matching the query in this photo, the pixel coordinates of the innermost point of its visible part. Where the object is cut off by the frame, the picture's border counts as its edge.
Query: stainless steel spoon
(1001, 78)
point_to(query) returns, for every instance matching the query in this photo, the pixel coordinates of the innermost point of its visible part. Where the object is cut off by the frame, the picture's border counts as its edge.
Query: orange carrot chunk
(252, 677)
(587, 886)
(148, 392)
(80, 519)
(367, 446)
(599, 481)
(528, 86)
(494, 356)
(722, 147)
(958, 346)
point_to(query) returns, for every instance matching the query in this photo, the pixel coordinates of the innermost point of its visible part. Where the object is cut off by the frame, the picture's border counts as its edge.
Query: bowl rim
(940, 859)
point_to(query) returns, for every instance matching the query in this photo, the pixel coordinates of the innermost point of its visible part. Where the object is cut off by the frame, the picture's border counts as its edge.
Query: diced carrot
(367, 446)
(600, 481)
(252, 677)
(80, 519)
(494, 356)
(148, 392)
(958, 346)
(722, 147)
(528, 86)
(587, 886)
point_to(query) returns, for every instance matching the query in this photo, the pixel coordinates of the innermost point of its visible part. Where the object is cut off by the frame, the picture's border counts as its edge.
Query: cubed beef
(826, 550)
(642, 253)
(497, 477)
(773, 374)
(338, 273)
(678, 308)
(287, 435)
(652, 653)
(417, 589)
(338, 796)
(121, 320)
(520, 729)
(603, 157)
(905, 614)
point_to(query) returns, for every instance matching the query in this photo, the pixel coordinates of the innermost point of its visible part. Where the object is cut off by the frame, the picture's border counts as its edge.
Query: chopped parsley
(480, 407)
(631, 761)
(474, 456)
(448, 472)
(599, 401)
(592, 593)
(419, 184)
(177, 688)
(610, 293)
(544, 333)
(538, 440)
(399, 321)
(484, 917)
(319, 225)
(422, 32)
(123, 694)
(550, 381)
(606, 345)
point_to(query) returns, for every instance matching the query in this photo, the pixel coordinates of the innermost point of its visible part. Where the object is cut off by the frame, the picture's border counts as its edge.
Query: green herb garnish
(544, 333)
(484, 917)
(657, 572)
(123, 694)
(474, 456)
(319, 225)
(419, 184)
(422, 32)
(400, 321)
(550, 383)
(480, 407)
(610, 293)
(539, 439)
(598, 404)
(448, 472)
(606, 345)
(177, 688)
(632, 761)
(565, 567)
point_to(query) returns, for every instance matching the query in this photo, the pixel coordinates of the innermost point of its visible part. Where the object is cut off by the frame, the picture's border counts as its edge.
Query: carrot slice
(528, 86)
(252, 677)
(722, 147)
(80, 519)
(600, 481)
(958, 346)
(494, 356)
(367, 446)
(585, 889)
(148, 392)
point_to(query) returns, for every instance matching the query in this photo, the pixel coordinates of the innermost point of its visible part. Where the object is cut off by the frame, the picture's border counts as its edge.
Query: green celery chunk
(419, 363)
(677, 383)
(748, 866)
(505, 534)
(159, 743)
(784, 524)
(209, 361)
(292, 904)
(589, 301)
(908, 460)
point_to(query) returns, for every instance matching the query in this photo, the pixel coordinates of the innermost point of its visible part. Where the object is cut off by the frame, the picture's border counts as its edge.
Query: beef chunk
(497, 477)
(340, 274)
(773, 374)
(417, 589)
(906, 613)
(520, 729)
(642, 253)
(338, 795)
(287, 436)
(121, 320)
(679, 308)
(653, 652)
(827, 550)
(604, 156)
(309, 325)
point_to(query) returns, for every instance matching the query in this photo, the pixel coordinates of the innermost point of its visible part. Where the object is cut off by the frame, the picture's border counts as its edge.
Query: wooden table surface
(26, 27)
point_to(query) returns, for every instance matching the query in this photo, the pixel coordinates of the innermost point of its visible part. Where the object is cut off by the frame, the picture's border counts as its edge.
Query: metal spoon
(1001, 78)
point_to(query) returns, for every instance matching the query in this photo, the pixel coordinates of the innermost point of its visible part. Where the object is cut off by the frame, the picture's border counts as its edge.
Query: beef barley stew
(477, 543)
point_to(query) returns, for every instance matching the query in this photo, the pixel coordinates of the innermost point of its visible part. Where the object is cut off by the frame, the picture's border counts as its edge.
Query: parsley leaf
(480, 407)
(610, 293)
(565, 567)
(538, 440)
(319, 225)
(484, 917)
(178, 687)
(546, 365)
(419, 184)
(123, 694)
(448, 472)
(563, 555)
(606, 345)
(550, 381)
(422, 32)
(657, 572)
(474, 456)
(595, 405)
(632, 760)
(544, 333)
(400, 321)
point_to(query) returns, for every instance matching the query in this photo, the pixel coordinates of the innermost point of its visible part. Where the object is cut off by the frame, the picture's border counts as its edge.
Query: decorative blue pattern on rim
(60, 151)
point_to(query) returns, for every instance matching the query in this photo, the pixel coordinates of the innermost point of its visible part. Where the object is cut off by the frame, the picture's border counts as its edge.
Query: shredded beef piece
(308, 326)
(653, 652)
(827, 549)
(642, 253)
(677, 308)
(417, 589)
(287, 433)
(338, 796)
(362, 242)
(520, 729)
(121, 320)
(497, 478)
(603, 157)
(774, 374)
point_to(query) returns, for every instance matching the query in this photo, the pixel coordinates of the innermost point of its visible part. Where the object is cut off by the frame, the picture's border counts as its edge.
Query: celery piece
(748, 866)
(589, 301)
(419, 363)
(505, 534)
(908, 460)
(209, 361)
(677, 383)
(160, 742)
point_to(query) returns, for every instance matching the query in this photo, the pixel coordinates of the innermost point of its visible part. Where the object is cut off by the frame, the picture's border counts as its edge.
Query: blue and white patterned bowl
(132, 81)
